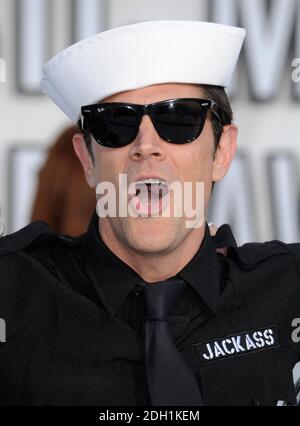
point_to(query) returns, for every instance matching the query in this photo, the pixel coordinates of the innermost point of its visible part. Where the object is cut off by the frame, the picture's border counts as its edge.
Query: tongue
(150, 195)
(155, 190)
(148, 190)
(151, 198)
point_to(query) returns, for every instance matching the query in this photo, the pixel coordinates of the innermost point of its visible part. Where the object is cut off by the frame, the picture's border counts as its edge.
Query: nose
(147, 145)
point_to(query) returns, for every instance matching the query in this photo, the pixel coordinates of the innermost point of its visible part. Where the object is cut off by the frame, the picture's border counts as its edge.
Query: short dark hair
(87, 139)
(219, 96)
(215, 93)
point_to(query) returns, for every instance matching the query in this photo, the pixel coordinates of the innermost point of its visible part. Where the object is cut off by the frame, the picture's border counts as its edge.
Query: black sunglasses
(178, 121)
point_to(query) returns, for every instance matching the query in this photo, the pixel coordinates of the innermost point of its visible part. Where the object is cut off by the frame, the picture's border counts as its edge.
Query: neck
(154, 267)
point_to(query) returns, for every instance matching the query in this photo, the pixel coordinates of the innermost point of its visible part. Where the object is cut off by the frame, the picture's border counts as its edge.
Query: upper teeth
(151, 182)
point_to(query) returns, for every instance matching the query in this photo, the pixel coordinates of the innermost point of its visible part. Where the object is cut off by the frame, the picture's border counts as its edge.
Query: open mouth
(151, 194)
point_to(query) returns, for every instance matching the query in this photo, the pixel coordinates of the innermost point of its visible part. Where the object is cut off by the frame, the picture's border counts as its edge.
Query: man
(143, 309)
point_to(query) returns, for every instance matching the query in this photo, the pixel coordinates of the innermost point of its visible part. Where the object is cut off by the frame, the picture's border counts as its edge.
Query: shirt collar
(114, 279)
(203, 272)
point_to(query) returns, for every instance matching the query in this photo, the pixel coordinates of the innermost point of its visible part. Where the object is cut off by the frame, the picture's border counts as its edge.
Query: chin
(148, 247)
(152, 237)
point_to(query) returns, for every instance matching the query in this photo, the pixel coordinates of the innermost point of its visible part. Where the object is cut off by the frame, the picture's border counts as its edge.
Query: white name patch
(238, 344)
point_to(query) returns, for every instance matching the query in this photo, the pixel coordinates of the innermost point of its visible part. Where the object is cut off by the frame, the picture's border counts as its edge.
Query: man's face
(150, 156)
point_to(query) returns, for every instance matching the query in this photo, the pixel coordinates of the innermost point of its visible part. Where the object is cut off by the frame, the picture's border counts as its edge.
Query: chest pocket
(258, 378)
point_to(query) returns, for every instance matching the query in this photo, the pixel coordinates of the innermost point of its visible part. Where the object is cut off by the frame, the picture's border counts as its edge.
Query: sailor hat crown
(139, 55)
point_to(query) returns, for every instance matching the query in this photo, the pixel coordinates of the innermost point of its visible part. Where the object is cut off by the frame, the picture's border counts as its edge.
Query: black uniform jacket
(74, 332)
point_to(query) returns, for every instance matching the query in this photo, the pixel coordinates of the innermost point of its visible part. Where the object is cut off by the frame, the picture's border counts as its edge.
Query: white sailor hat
(140, 55)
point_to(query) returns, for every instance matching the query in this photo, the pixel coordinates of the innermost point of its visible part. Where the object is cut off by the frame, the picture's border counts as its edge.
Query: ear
(225, 152)
(84, 158)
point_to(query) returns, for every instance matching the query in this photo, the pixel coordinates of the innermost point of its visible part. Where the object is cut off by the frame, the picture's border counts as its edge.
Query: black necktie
(170, 380)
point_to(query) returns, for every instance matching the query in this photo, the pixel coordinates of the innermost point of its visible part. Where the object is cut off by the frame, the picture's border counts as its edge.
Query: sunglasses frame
(147, 109)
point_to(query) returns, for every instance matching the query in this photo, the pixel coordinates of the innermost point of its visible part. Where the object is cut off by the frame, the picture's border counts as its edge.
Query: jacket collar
(114, 279)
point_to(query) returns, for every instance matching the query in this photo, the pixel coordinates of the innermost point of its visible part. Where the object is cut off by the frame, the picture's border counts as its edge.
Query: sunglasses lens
(180, 122)
(114, 126)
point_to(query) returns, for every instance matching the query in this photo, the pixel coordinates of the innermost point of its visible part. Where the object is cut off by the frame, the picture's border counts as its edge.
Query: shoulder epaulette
(253, 253)
(28, 235)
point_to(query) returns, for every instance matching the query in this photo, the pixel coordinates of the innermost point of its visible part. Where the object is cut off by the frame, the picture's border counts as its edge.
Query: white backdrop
(260, 197)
